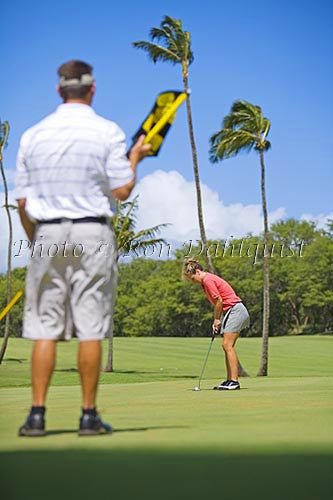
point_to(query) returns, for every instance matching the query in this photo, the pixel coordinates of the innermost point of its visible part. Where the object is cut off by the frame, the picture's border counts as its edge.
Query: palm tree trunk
(241, 371)
(9, 252)
(110, 357)
(197, 179)
(263, 370)
(109, 360)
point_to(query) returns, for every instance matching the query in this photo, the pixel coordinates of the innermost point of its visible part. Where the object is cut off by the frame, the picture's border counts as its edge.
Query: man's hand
(137, 153)
(28, 226)
(139, 150)
(216, 326)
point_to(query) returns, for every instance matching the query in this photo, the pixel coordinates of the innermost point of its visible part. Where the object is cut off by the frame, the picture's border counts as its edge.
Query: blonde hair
(190, 267)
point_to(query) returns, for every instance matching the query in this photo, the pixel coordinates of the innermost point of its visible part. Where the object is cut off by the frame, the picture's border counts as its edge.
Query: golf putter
(197, 388)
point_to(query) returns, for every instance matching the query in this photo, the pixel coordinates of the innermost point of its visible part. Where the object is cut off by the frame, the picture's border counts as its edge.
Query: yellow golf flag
(157, 124)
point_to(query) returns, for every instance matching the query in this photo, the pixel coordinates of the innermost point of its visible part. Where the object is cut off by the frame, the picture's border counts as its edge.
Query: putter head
(196, 388)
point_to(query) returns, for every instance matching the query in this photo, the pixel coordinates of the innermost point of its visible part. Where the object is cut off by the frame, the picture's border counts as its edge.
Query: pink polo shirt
(215, 287)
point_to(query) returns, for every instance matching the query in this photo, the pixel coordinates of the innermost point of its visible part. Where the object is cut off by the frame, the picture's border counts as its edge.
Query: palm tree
(246, 128)
(129, 242)
(4, 131)
(174, 46)
(123, 224)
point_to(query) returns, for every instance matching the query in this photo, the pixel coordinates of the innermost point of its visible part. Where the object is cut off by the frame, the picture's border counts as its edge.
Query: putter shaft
(206, 359)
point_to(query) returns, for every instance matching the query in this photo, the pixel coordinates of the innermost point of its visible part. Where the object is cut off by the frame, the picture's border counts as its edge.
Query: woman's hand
(216, 326)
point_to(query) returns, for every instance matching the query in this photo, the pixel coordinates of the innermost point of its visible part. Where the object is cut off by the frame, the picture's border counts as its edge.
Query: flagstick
(11, 304)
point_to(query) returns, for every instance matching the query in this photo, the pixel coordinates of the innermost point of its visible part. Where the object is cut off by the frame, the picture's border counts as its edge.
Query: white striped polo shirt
(68, 164)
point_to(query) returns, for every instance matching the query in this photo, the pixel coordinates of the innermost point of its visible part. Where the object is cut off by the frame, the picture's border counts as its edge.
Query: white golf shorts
(71, 280)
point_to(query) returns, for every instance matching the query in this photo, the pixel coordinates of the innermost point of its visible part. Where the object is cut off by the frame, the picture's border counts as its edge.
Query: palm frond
(150, 232)
(175, 25)
(131, 206)
(123, 224)
(229, 142)
(182, 38)
(157, 52)
(242, 115)
(266, 127)
(9, 206)
(161, 34)
(147, 243)
(166, 38)
(244, 128)
(174, 43)
(4, 131)
(246, 115)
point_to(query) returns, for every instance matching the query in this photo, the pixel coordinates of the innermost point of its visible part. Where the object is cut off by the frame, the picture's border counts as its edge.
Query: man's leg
(42, 366)
(91, 308)
(229, 340)
(90, 354)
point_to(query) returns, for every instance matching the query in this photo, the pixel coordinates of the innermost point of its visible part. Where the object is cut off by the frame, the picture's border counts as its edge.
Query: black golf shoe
(34, 426)
(229, 385)
(92, 425)
(222, 384)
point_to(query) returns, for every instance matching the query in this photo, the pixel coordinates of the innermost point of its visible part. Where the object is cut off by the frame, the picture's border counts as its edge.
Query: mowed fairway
(273, 439)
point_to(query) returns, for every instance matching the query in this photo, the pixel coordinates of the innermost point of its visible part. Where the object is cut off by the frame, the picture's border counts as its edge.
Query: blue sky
(275, 54)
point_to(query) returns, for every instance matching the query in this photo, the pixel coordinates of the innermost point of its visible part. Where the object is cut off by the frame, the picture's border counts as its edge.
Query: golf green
(273, 439)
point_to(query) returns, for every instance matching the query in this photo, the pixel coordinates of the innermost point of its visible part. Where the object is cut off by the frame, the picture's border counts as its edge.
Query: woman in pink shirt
(230, 316)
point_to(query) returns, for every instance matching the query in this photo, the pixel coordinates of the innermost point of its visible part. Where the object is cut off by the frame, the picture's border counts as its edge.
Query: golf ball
(196, 389)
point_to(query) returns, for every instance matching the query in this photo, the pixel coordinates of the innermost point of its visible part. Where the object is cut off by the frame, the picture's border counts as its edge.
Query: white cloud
(320, 220)
(18, 234)
(167, 197)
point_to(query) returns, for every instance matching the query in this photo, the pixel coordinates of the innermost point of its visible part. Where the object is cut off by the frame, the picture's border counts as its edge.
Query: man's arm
(137, 153)
(28, 226)
(22, 185)
(217, 315)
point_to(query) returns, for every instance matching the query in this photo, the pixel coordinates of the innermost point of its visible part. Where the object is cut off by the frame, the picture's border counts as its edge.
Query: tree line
(154, 300)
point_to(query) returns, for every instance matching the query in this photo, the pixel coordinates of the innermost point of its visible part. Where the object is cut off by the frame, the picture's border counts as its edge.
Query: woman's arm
(217, 315)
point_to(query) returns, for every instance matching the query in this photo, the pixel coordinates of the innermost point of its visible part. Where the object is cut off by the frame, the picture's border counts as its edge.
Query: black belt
(101, 220)
(240, 302)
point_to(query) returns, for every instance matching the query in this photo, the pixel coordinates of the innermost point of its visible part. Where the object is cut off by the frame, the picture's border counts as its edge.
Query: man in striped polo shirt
(69, 167)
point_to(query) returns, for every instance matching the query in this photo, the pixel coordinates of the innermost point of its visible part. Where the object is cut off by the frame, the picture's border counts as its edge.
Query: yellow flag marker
(165, 117)
(158, 122)
(11, 304)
